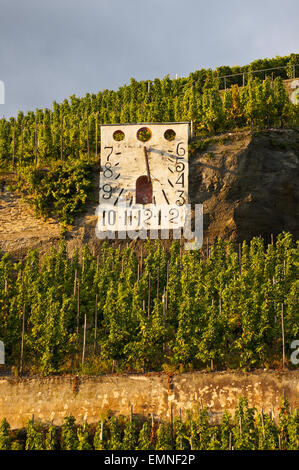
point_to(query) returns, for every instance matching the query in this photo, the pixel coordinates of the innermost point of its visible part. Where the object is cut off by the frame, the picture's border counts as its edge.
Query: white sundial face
(145, 167)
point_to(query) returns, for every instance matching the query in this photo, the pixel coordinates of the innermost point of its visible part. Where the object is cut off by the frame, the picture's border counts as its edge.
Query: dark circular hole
(118, 135)
(144, 134)
(169, 134)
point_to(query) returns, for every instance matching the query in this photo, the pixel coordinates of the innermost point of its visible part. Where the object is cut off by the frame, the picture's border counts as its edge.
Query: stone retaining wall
(52, 398)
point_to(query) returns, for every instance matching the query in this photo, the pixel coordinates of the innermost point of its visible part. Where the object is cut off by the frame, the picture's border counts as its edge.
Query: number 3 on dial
(181, 200)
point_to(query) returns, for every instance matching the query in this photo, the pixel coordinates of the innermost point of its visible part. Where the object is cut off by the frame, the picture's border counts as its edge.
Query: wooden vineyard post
(97, 130)
(141, 261)
(95, 325)
(22, 340)
(78, 309)
(102, 431)
(240, 257)
(22, 144)
(75, 282)
(138, 272)
(84, 340)
(14, 145)
(263, 425)
(87, 136)
(171, 425)
(164, 307)
(283, 341)
(149, 295)
(36, 137)
(61, 138)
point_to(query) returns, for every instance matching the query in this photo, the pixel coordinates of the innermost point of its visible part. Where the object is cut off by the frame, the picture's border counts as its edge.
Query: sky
(50, 50)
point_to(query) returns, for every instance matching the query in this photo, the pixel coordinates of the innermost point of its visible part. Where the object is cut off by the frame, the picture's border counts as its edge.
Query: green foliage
(130, 436)
(5, 440)
(244, 432)
(34, 437)
(144, 439)
(60, 191)
(164, 438)
(83, 438)
(115, 440)
(51, 438)
(214, 313)
(69, 438)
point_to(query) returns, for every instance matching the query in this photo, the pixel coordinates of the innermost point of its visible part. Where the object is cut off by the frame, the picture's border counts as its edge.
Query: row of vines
(158, 309)
(246, 430)
(71, 129)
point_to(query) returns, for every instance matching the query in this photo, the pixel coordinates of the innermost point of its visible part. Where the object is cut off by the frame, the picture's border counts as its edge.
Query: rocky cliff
(248, 184)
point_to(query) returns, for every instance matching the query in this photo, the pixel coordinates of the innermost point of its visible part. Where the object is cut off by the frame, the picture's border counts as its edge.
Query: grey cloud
(52, 49)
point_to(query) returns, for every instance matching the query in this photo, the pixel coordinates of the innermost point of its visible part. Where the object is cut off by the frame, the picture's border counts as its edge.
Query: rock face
(20, 229)
(247, 182)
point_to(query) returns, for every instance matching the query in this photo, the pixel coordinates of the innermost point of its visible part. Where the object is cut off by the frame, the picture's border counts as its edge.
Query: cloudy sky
(51, 49)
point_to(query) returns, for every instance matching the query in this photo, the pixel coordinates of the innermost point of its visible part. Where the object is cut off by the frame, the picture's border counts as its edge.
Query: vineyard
(71, 129)
(246, 430)
(137, 307)
(157, 309)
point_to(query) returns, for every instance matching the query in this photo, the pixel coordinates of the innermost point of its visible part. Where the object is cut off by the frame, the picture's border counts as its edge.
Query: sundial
(144, 176)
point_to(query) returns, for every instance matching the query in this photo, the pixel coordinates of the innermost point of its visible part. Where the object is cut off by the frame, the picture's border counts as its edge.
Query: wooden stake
(35, 160)
(97, 129)
(149, 295)
(263, 425)
(75, 282)
(22, 340)
(84, 340)
(87, 135)
(78, 307)
(164, 307)
(282, 332)
(22, 143)
(141, 261)
(240, 257)
(95, 325)
(102, 431)
(171, 424)
(14, 145)
(61, 138)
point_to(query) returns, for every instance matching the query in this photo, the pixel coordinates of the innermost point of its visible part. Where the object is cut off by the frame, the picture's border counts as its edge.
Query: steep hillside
(248, 184)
